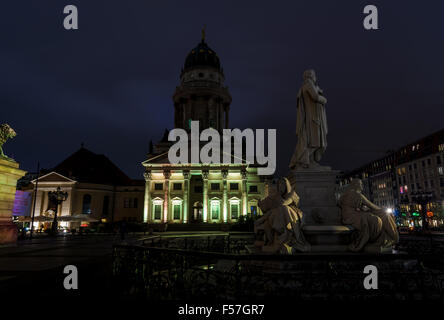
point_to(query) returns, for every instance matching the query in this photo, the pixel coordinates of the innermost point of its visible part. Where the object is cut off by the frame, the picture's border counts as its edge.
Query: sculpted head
(284, 186)
(279, 187)
(310, 74)
(356, 184)
(8, 131)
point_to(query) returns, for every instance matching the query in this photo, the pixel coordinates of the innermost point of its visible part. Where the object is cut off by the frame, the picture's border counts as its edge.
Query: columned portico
(200, 192)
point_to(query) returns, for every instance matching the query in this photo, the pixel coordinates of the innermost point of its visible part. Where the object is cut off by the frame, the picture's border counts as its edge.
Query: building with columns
(198, 192)
(95, 187)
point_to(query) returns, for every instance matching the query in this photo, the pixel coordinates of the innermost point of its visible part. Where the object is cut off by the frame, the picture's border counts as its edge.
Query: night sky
(109, 84)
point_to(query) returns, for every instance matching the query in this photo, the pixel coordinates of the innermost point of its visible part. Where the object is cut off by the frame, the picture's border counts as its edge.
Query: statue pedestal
(322, 224)
(9, 174)
(317, 188)
(328, 238)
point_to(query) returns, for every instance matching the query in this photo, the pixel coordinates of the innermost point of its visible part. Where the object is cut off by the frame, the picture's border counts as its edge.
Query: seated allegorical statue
(282, 221)
(374, 224)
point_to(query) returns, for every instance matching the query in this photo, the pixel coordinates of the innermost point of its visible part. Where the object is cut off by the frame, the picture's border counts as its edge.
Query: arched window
(86, 206)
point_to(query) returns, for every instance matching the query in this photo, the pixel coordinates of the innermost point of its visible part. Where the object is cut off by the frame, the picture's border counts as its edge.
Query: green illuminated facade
(197, 192)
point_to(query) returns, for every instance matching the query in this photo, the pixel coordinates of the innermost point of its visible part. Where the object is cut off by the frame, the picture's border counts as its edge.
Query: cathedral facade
(198, 192)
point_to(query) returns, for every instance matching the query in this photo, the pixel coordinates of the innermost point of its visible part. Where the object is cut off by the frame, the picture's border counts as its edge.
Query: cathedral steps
(197, 227)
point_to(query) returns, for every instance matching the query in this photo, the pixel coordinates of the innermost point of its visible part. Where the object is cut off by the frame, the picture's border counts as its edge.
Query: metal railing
(166, 273)
(225, 243)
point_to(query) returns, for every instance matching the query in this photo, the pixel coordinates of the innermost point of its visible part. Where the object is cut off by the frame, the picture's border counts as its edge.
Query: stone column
(244, 192)
(186, 195)
(205, 195)
(147, 199)
(166, 201)
(70, 198)
(225, 196)
(45, 201)
(9, 174)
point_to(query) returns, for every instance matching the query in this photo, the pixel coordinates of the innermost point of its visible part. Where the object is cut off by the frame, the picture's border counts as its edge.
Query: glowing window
(215, 210)
(176, 212)
(234, 209)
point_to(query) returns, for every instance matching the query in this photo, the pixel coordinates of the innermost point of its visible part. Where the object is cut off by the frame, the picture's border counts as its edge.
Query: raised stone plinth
(9, 174)
(317, 188)
(328, 238)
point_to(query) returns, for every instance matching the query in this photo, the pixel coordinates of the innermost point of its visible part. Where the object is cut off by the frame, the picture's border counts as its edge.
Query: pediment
(54, 177)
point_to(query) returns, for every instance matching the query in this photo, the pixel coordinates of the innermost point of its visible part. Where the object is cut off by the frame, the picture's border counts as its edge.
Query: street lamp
(57, 197)
(423, 198)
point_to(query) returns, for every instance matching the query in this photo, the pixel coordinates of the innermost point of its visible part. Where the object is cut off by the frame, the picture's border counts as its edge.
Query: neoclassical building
(95, 187)
(198, 192)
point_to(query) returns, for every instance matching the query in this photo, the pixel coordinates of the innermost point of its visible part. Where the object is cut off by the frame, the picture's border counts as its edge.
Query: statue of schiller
(311, 124)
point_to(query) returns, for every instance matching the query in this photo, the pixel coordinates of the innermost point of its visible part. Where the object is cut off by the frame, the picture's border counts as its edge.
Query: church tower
(201, 94)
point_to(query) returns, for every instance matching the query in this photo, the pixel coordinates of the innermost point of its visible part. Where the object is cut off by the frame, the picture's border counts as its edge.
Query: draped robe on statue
(373, 226)
(311, 125)
(282, 221)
